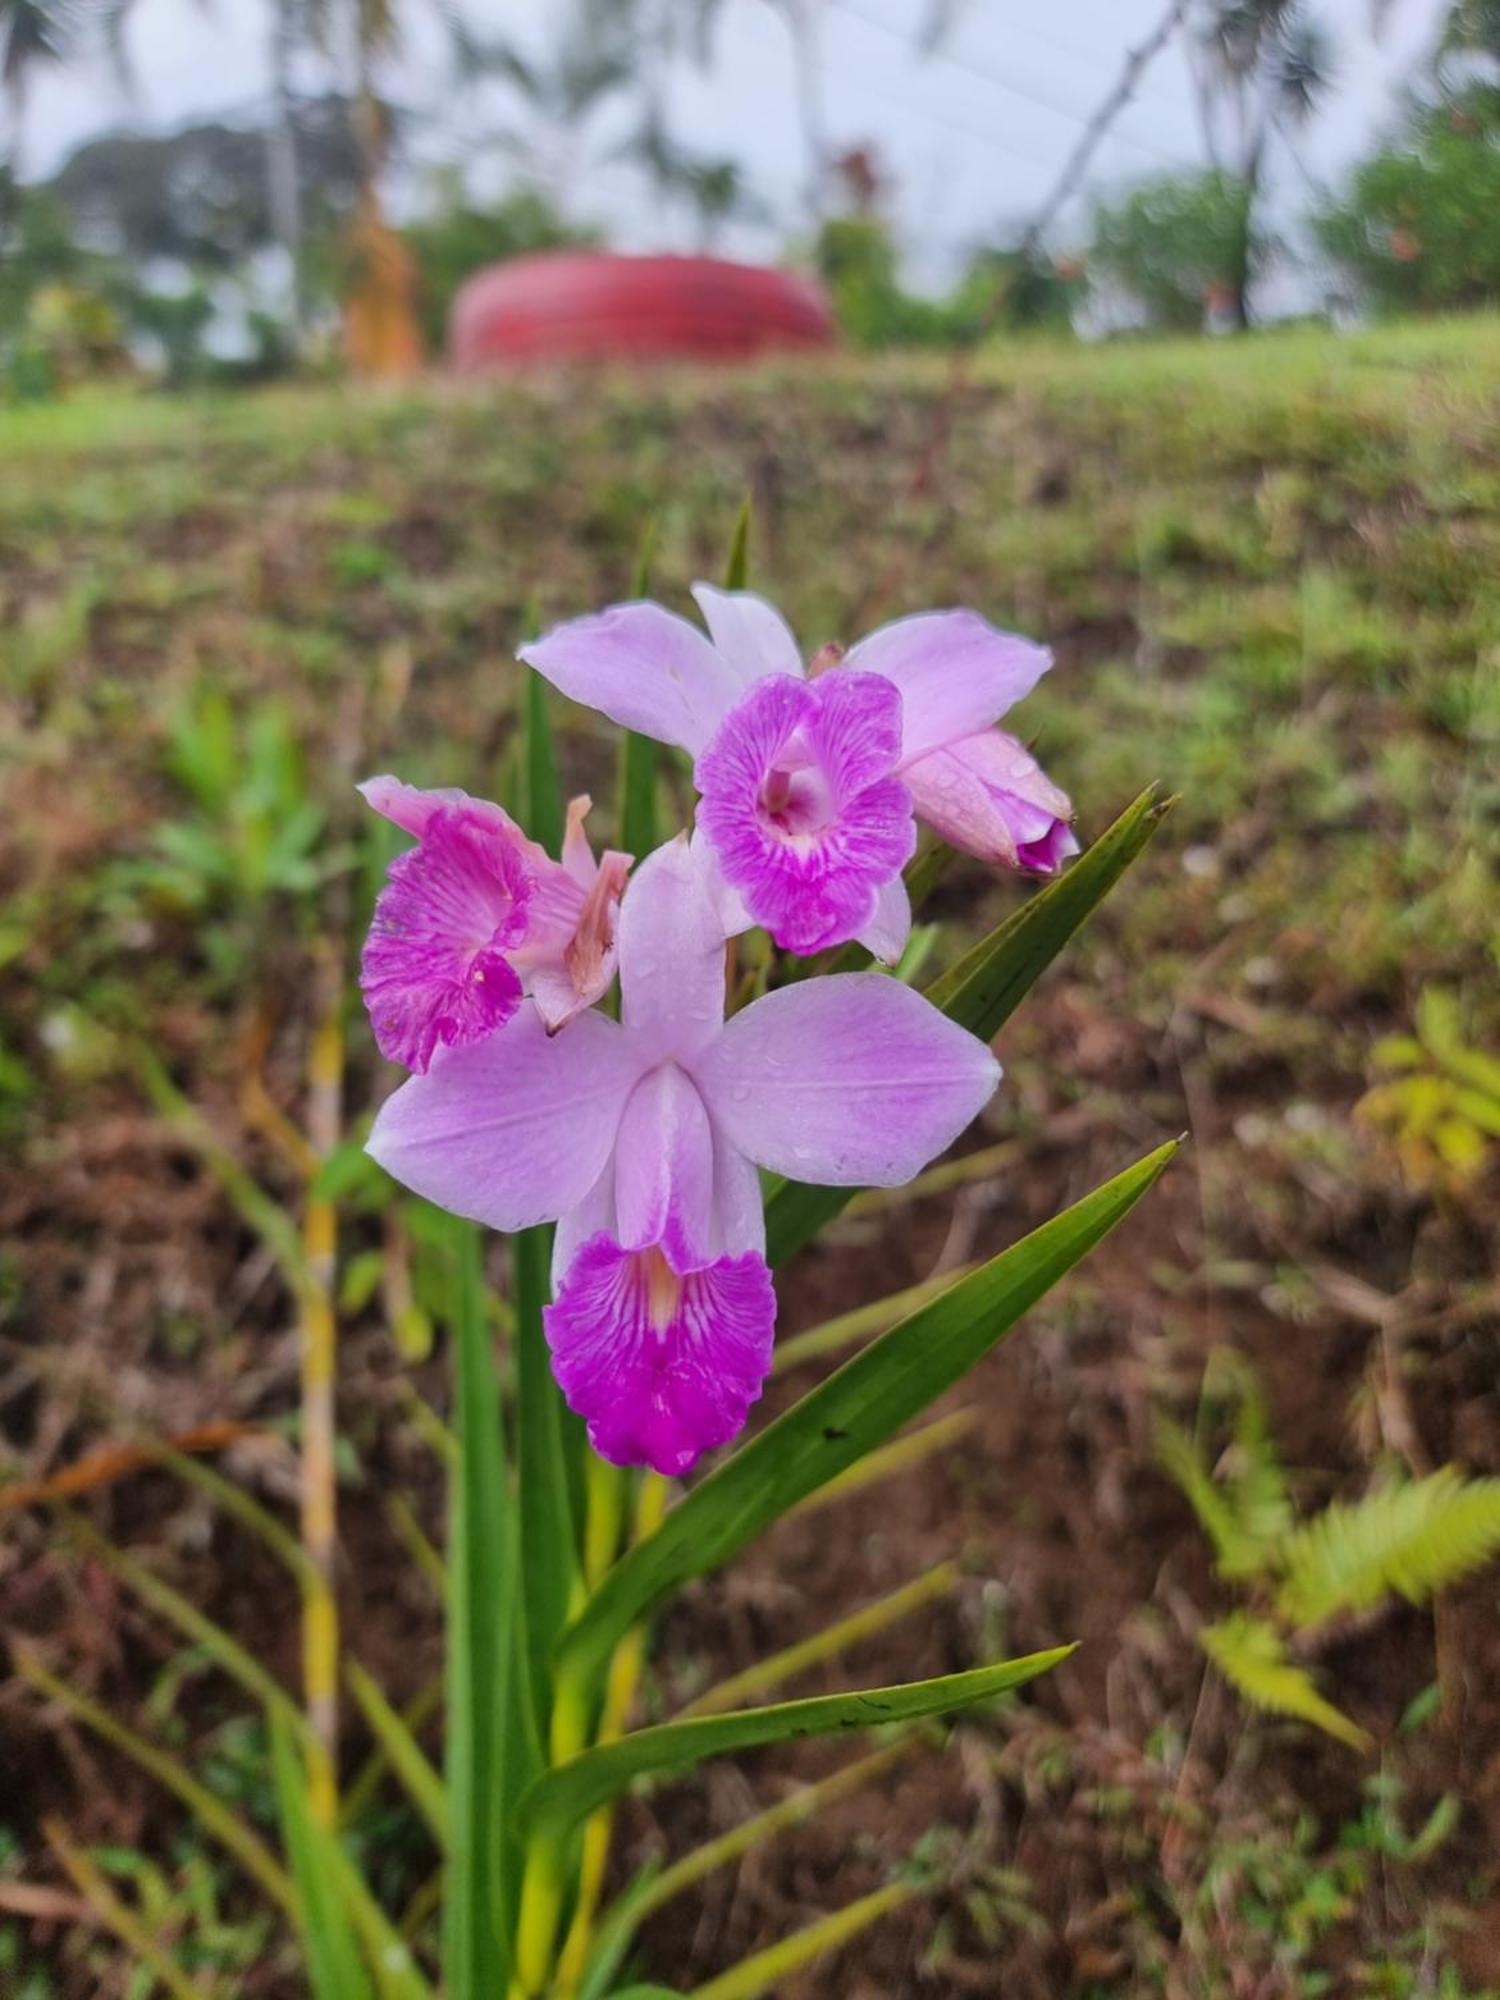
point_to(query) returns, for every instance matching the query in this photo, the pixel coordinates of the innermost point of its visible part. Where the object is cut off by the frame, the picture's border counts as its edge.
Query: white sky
(970, 138)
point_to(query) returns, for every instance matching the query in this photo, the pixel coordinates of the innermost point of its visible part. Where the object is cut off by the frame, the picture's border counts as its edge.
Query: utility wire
(967, 67)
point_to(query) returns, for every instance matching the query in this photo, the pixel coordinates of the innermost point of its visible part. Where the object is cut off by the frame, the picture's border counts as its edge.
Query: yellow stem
(319, 1351)
(621, 1684)
(770, 1672)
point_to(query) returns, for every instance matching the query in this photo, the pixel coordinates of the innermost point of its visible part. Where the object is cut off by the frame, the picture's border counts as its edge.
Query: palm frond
(1411, 1539)
(1301, 70)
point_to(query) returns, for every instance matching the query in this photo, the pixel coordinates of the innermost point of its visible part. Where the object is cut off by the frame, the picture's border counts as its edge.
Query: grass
(1271, 571)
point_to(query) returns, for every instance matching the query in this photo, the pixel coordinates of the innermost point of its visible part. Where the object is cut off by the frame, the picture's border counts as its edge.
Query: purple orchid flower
(809, 777)
(641, 1138)
(474, 916)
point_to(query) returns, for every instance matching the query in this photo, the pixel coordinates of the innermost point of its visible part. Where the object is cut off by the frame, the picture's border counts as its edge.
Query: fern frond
(1411, 1539)
(1178, 1457)
(1250, 1655)
(1262, 1503)
(1240, 1549)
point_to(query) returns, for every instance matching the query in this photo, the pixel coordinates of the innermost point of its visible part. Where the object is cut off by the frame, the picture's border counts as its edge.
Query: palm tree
(34, 35)
(597, 52)
(1263, 67)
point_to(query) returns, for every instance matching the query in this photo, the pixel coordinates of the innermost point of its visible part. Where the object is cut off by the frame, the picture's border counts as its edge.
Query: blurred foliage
(1302, 1577)
(857, 258)
(1441, 1107)
(457, 236)
(1172, 246)
(199, 197)
(1418, 229)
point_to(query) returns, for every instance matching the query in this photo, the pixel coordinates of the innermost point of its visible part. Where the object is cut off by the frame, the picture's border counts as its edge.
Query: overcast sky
(970, 137)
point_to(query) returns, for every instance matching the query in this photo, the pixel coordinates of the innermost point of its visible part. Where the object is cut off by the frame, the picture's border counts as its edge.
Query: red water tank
(563, 304)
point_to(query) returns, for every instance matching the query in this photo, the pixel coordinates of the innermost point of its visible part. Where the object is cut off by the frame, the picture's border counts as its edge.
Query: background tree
(1262, 67)
(1175, 243)
(198, 196)
(35, 35)
(1418, 229)
(457, 235)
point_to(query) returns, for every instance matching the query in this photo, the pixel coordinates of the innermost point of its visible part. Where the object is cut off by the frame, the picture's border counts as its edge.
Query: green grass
(1271, 570)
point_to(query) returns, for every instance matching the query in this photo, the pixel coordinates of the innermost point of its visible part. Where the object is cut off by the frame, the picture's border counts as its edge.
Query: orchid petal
(847, 1081)
(729, 904)
(435, 970)
(671, 956)
(739, 1207)
(664, 1167)
(643, 667)
(987, 795)
(956, 673)
(577, 855)
(804, 818)
(516, 1129)
(749, 633)
(885, 935)
(410, 808)
(593, 1216)
(662, 1364)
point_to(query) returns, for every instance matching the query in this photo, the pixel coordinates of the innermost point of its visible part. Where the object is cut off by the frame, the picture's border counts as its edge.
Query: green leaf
(639, 756)
(1409, 1539)
(542, 813)
(737, 569)
(549, 1558)
(855, 1409)
(655, 1885)
(403, 1752)
(985, 987)
(767, 1971)
(1249, 1653)
(989, 982)
(1237, 1554)
(335, 1970)
(483, 1696)
(569, 1792)
(638, 762)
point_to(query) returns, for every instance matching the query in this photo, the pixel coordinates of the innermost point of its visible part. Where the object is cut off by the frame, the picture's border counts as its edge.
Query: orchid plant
(633, 1152)
(658, 1110)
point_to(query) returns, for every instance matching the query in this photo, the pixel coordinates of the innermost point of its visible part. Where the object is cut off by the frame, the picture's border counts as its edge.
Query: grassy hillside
(1271, 574)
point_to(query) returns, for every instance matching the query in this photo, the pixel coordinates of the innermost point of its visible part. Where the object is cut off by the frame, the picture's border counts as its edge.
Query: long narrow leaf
(768, 1969)
(650, 1891)
(548, 1547)
(639, 756)
(775, 1668)
(216, 1819)
(195, 1626)
(481, 1650)
(865, 1402)
(405, 1755)
(335, 1970)
(863, 1323)
(111, 1910)
(542, 813)
(986, 986)
(566, 1793)
(737, 568)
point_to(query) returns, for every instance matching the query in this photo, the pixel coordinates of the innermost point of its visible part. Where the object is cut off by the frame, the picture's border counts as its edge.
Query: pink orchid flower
(474, 916)
(641, 1138)
(808, 778)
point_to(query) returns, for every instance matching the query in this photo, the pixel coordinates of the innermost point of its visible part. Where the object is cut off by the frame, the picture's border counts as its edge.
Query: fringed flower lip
(809, 775)
(476, 915)
(641, 1139)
